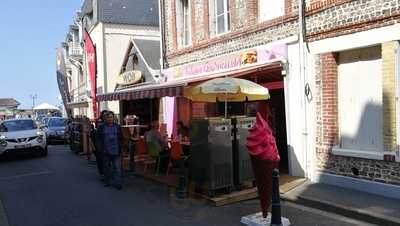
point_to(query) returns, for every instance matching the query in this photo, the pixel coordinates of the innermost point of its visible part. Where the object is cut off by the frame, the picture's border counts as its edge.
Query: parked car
(22, 136)
(55, 129)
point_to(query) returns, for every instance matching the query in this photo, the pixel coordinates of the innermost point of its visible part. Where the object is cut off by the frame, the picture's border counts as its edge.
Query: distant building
(7, 107)
(8, 104)
(76, 78)
(112, 27)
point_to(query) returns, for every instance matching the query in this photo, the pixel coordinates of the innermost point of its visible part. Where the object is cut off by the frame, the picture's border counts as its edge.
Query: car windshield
(57, 122)
(17, 125)
(45, 120)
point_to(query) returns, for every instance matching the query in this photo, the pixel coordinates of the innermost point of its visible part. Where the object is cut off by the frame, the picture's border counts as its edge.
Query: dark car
(55, 129)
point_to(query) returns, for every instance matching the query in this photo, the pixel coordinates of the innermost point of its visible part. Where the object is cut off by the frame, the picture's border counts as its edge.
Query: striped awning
(143, 92)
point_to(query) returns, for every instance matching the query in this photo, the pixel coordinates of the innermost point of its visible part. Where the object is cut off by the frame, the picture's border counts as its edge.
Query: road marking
(25, 175)
(3, 215)
(327, 214)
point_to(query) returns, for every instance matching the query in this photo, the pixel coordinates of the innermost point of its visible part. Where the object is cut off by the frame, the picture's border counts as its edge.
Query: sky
(30, 31)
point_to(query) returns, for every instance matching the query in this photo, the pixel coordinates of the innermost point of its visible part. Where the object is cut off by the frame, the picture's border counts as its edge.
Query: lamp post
(33, 97)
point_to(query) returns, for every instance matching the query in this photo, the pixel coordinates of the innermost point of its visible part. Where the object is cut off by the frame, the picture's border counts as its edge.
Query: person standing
(111, 142)
(99, 152)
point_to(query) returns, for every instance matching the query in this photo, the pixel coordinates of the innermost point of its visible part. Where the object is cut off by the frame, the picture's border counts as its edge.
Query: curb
(3, 216)
(347, 211)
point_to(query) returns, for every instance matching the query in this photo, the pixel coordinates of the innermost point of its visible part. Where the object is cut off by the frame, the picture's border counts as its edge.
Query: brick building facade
(332, 28)
(355, 27)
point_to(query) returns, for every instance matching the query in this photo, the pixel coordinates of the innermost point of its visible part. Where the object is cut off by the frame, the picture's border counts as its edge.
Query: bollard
(276, 219)
(180, 190)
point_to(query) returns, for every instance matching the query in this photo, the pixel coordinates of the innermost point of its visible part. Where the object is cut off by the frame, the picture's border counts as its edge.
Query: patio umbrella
(227, 90)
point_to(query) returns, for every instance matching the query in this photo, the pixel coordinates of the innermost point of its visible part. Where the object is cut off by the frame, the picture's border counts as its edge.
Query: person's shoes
(118, 187)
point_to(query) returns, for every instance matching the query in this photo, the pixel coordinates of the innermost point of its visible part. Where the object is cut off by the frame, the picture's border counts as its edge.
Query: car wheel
(44, 151)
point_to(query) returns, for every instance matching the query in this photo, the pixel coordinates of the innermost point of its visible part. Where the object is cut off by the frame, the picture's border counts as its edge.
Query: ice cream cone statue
(265, 158)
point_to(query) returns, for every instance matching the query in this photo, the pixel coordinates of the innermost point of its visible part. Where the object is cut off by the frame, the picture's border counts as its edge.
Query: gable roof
(135, 12)
(150, 50)
(8, 102)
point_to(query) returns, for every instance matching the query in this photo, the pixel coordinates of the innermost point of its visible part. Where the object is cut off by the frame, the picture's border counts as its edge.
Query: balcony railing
(75, 50)
(79, 94)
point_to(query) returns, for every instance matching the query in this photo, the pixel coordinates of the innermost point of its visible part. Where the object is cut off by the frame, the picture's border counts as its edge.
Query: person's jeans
(112, 170)
(99, 161)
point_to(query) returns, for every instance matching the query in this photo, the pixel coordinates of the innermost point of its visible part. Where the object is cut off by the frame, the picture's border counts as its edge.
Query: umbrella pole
(226, 105)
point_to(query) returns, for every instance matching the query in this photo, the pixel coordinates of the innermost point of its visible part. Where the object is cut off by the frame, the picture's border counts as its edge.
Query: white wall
(300, 114)
(117, 38)
(111, 41)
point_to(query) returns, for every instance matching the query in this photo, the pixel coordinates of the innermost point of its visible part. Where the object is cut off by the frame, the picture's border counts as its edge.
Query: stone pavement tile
(3, 216)
(347, 202)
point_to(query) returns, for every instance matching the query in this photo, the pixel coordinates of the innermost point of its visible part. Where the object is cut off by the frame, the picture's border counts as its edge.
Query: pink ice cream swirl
(261, 142)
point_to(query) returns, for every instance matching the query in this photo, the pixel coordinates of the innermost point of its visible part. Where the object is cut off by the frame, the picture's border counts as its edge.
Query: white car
(22, 136)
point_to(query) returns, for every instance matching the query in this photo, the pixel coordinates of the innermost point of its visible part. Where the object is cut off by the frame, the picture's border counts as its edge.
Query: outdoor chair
(176, 154)
(141, 154)
(154, 153)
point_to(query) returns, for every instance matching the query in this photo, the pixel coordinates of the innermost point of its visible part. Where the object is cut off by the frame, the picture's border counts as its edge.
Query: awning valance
(175, 88)
(142, 92)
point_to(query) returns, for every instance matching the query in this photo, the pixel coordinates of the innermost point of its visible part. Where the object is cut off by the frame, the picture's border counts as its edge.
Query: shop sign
(258, 55)
(129, 77)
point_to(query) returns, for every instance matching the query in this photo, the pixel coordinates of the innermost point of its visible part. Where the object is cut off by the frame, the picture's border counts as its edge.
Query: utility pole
(33, 97)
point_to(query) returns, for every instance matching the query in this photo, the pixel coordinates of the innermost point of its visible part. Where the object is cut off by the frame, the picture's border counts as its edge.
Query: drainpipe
(303, 75)
(397, 80)
(161, 7)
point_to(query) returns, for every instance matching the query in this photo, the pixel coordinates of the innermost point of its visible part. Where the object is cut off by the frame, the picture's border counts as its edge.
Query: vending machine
(242, 168)
(211, 149)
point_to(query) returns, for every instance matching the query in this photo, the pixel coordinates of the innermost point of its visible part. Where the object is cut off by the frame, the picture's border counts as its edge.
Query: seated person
(183, 131)
(183, 136)
(154, 135)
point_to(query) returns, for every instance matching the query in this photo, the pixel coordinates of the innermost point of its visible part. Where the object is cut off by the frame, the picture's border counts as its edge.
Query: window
(360, 107)
(219, 17)
(17, 125)
(183, 22)
(270, 9)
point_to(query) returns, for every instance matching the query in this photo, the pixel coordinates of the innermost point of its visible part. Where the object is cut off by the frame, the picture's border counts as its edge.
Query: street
(63, 189)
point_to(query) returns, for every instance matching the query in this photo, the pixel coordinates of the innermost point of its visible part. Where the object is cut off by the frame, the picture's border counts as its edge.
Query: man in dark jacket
(111, 141)
(99, 153)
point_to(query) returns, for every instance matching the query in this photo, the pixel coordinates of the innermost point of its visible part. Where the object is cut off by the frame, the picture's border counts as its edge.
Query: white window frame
(183, 23)
(377, 154)
(278, 9)
(225, 14)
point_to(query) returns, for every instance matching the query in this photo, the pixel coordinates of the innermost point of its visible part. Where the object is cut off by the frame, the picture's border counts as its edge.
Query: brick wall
(339, 17)
(325, 18)
(327, 131)
(231, 43)
(388, 95)
(244, 22)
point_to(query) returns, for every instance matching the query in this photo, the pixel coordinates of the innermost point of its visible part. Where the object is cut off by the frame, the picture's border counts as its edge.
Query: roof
(135, 12)
(150, 50)
(45, 106)
(87, 7)
(8, 102)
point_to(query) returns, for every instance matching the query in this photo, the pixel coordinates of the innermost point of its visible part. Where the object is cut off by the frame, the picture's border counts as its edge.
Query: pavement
(63, 189)
(364, 206)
